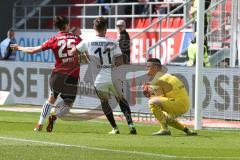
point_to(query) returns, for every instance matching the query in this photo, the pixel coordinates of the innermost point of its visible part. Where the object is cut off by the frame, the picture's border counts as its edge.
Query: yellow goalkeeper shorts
(170, 105)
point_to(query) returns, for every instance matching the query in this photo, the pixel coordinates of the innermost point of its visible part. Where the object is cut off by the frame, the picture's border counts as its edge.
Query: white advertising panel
(28, 84)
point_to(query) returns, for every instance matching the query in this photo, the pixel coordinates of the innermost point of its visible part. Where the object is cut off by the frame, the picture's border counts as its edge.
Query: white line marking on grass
(89, 148)
(112, 150)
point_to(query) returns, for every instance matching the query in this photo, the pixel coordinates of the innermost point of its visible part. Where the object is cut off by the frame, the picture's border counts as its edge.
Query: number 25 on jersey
(68, 44)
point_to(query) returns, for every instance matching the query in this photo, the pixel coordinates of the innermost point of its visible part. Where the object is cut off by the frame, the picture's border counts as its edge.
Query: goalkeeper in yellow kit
(168, 98)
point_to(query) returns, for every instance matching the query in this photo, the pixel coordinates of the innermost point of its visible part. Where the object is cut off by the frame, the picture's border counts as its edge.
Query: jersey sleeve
(47, 44)
(82, 47)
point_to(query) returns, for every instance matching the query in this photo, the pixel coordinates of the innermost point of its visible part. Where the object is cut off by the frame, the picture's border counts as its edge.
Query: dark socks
(108, 113)
(111, 120)
(186, 130)
(126, 110)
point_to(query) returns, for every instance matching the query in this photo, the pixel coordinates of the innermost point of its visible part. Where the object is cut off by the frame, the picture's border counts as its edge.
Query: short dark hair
(60, 22)
(156, 61)
(100, 24)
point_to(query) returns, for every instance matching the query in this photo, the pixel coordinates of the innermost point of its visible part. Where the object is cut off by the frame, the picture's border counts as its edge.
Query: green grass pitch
(88, 140)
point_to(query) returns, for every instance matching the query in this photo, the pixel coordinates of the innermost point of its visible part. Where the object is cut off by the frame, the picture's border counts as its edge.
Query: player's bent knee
(154, 102)
(51, 99)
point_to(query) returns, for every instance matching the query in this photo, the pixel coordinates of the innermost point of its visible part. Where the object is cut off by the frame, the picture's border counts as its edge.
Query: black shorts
(65, 85)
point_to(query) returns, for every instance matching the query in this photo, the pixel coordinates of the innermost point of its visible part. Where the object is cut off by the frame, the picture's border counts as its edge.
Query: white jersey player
(102, 53)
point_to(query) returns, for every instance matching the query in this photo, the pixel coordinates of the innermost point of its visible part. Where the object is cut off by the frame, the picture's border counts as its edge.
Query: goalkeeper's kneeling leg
(158, 113)
(171, 120)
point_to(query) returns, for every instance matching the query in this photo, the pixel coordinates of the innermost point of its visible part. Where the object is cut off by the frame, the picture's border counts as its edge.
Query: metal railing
(178, 30)
(43, 14)
(162, 18)
(30, 14)
(39, 13)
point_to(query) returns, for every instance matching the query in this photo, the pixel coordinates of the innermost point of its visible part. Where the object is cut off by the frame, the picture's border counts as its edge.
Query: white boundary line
(111, 150)
(88, 148)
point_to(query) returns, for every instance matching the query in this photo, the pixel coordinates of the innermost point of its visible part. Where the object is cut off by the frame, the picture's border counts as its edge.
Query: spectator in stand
(191, 53)
(143, 7)
(193, 13)
(163, 8)
(6, 53)
(106, 9)
(174, 6)
(160, 8)
(124, 40)
(192, 49)
(128, 11)
(128, 8)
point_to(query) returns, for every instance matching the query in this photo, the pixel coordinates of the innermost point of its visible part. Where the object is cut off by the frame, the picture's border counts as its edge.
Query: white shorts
(109, 88)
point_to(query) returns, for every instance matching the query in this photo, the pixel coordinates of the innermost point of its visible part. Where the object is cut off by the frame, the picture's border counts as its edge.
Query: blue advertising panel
(29, 39)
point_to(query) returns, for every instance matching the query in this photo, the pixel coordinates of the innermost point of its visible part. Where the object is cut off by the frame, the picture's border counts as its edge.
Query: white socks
(64, 109)
(46, 108)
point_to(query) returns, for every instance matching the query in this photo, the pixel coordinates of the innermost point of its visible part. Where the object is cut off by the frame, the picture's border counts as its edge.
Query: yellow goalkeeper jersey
(169, 86)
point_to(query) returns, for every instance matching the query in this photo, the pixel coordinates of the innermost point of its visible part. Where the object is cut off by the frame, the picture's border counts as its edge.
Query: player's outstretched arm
(29, 50)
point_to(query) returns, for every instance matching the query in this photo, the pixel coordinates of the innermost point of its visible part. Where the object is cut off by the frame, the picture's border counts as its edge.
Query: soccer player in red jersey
(65, 74)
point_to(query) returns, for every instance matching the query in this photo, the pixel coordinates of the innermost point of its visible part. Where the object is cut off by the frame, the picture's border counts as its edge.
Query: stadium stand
(73, 11)
(82, 15)
(173, 22)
